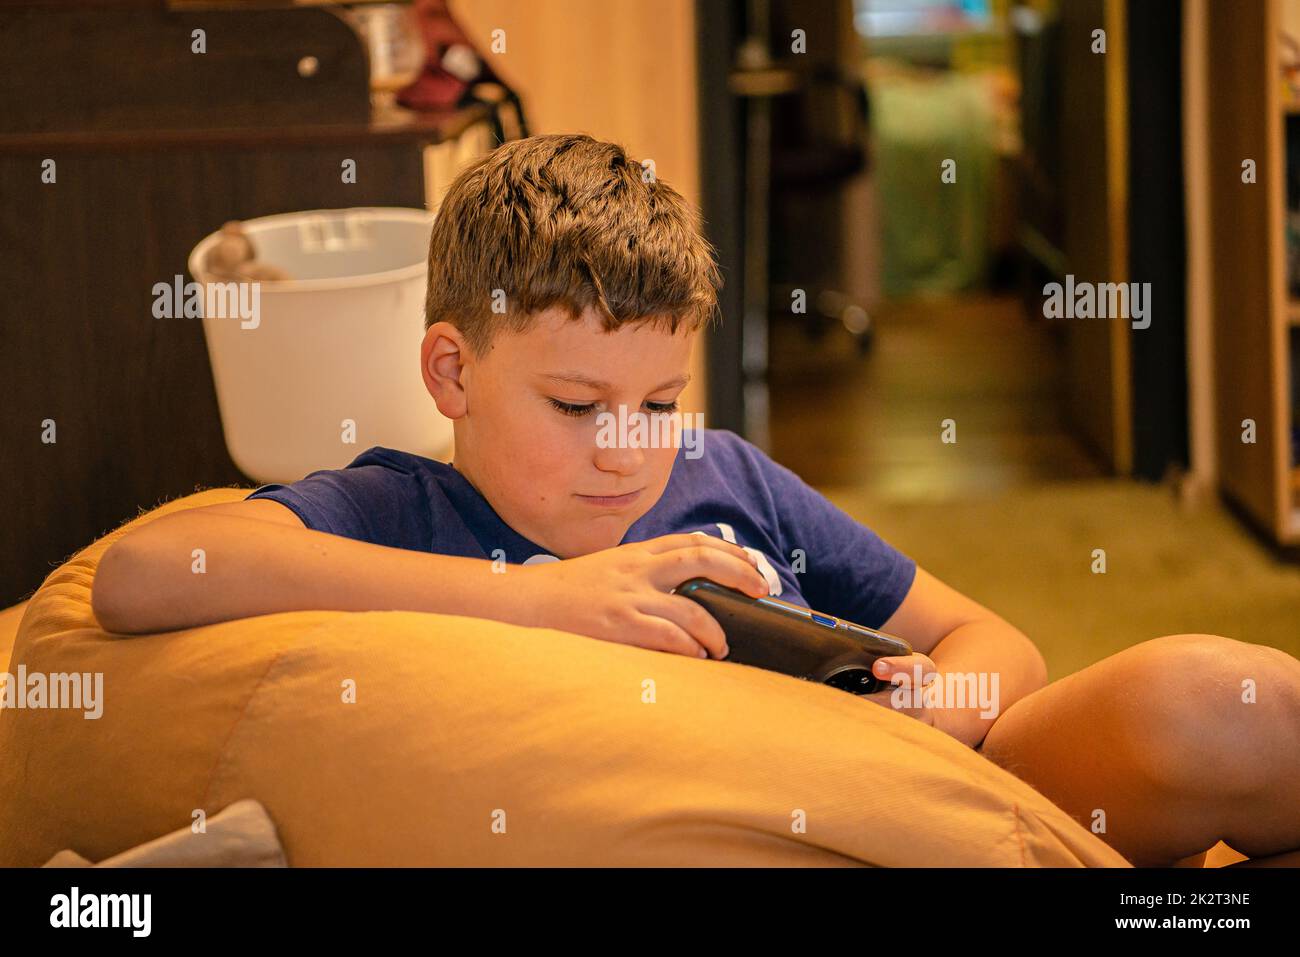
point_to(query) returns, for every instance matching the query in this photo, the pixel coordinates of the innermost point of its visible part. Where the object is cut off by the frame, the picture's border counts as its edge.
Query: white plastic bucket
(338, 343)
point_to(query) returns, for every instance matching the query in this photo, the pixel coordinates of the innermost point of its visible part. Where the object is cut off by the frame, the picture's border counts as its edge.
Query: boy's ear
(442, 363)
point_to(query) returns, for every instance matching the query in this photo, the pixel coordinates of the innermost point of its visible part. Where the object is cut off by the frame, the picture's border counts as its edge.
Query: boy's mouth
(610, 501)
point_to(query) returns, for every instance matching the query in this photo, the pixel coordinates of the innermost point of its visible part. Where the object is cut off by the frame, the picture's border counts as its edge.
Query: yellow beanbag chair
(396, 738)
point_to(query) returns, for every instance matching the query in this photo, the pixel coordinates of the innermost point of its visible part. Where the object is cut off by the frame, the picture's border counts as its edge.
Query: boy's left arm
(963, 637)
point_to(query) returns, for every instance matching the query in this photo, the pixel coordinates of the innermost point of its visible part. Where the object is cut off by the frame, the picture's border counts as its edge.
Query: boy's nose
(626, 460)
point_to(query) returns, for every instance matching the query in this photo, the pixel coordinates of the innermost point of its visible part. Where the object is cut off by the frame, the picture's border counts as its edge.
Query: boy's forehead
(567, 353)
(571, 377)
(577, 349)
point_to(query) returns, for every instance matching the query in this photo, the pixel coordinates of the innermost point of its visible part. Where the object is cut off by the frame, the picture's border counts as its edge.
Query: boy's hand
(916, 700)
(621, 594)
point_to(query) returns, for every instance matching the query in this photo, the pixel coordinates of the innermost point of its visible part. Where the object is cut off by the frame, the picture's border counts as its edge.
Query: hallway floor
(1011, 513)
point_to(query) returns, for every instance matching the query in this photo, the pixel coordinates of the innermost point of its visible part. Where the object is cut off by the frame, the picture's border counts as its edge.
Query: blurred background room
(892, 187)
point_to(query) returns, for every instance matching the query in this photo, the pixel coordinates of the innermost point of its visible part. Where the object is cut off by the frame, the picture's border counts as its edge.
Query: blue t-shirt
(811, 552)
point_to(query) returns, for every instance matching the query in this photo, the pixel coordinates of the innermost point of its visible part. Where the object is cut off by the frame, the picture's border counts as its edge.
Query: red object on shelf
(452, 65)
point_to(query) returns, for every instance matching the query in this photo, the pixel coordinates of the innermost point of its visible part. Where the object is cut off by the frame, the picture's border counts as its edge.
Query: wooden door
(1247, 245)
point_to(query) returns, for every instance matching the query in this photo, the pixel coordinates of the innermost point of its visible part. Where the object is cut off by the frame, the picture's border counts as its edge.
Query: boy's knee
(1216, 712)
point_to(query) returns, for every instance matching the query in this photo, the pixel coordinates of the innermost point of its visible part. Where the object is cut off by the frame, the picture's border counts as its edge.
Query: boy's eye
(569, 408)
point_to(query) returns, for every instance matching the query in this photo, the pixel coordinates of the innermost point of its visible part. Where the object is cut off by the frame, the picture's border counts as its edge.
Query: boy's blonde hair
(565, 220)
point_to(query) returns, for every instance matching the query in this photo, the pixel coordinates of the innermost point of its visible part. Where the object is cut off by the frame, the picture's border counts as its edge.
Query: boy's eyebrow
(577, 378)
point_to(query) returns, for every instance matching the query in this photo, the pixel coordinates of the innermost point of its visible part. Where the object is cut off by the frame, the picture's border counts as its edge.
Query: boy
(564, 285)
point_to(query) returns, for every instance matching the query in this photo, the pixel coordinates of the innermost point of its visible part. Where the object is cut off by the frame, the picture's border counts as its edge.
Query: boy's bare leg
(1290, 859)
(1163, 740)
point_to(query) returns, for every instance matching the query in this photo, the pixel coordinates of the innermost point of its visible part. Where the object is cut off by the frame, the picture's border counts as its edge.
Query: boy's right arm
(259, 559)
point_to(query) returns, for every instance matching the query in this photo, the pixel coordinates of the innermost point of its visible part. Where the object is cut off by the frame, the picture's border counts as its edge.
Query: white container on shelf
(337, 344)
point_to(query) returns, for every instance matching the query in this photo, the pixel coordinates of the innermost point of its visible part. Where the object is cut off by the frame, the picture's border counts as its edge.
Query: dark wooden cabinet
(153, 147)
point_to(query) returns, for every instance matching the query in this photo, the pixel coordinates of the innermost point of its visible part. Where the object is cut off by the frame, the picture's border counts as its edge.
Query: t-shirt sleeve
(849, 570)
(371, 503)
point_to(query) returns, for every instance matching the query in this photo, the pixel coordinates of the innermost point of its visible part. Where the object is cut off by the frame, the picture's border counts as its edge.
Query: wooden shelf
(392, 127)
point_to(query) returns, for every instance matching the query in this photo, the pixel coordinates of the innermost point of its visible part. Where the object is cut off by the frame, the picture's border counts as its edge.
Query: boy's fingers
(660, 634)
(885, 667)
(702, 561)
(905, 664)
(702, 627)
(665, 543)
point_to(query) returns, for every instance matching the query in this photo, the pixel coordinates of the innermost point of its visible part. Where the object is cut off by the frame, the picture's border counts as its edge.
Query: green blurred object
(934, 234)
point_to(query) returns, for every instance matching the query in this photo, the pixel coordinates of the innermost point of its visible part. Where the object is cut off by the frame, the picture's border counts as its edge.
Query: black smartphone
(780, 636)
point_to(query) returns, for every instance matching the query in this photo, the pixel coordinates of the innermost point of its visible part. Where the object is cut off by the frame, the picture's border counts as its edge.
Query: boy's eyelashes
(576, 410)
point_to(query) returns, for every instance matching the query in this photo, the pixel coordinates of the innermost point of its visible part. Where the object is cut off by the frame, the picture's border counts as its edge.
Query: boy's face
(537, 465)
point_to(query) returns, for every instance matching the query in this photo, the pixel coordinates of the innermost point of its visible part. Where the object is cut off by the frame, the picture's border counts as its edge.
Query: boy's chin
(601, 533)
